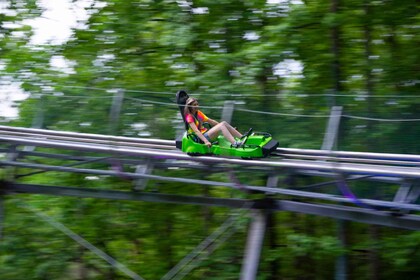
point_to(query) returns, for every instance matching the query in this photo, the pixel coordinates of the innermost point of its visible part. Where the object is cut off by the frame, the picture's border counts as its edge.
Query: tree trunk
(374, 264)
(335, 49)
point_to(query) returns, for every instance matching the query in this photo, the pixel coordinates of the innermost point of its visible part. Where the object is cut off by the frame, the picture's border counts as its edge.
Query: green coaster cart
(253, 144)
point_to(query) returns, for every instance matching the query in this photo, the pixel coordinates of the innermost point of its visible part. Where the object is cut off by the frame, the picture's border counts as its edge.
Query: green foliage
(227, 50)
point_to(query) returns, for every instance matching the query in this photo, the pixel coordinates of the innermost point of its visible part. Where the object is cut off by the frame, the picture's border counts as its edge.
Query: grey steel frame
(387, 167)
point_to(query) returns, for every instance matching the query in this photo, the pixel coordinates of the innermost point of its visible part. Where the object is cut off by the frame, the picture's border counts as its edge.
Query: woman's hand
(207, 143)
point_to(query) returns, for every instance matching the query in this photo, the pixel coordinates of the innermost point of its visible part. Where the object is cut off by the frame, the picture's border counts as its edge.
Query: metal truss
(148, 154)
(94, 154)
(356, 214)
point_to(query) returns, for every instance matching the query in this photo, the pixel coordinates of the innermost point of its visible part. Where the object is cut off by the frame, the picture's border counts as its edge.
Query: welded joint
(414, 194)
(266, 203)
(402, 192)
(407, 193)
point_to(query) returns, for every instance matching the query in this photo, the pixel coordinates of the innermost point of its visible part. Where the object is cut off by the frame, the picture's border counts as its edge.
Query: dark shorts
(207, 136)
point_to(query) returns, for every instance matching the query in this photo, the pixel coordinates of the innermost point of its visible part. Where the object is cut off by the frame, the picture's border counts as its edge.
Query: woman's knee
(217, 126)
(224, 123)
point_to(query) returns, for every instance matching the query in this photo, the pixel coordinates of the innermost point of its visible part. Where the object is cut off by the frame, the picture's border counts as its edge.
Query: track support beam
(254, 245)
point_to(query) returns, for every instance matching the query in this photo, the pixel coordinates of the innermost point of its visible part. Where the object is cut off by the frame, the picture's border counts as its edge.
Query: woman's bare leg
(221, 127)
(232, 130)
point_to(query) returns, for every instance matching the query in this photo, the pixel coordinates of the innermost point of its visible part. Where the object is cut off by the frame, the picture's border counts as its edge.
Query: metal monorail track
(83, 148)
(170, 145)
(359, 163)
(403, 170)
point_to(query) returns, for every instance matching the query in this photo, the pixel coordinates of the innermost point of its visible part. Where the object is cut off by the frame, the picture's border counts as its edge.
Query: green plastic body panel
(252, 148)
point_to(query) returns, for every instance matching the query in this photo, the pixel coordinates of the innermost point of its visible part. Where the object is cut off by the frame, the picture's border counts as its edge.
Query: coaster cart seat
(253, 144)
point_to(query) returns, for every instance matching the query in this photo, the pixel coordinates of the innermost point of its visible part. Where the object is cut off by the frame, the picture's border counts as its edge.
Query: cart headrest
(181, 97)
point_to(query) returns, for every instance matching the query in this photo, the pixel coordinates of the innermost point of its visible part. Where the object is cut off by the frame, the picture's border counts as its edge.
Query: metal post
(329, 144)
(341, 261)
(254, 246)
(38, 120)
(272, 181)
(12, 156)
(145, 169)
(227, 111)
(330, 137)
(10, 171)
(114, 114)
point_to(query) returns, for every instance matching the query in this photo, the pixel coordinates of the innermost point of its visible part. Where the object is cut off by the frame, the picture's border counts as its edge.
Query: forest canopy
(284, 64)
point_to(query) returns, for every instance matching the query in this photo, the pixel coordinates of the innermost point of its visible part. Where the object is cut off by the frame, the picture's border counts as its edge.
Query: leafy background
(283, 63)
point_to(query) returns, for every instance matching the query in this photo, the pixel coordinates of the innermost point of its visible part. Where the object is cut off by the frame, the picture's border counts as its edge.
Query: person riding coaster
(221, 138)
(196, 118)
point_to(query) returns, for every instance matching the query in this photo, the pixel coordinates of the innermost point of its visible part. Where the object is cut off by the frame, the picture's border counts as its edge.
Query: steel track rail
(347, 154)
(349, 159)
(141, 144)
(380, 158)
(392, 166)
(334, 167)
(110, 138)
(263, 189)
(150, 143)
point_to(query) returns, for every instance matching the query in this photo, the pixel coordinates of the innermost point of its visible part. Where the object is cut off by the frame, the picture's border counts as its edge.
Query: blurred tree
(269, 56)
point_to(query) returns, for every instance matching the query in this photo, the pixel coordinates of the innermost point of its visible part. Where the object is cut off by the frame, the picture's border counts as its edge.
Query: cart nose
(270, 147)
(178, 142)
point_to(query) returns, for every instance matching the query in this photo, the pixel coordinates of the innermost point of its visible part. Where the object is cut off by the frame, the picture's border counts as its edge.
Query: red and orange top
(199, 119)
